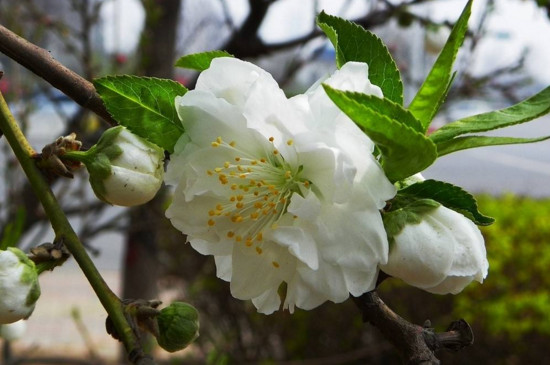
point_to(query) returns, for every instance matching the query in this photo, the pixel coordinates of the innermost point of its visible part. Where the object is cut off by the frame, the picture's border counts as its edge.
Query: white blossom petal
(279, 190)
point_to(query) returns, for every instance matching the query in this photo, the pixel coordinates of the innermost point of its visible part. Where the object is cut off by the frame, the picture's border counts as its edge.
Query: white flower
(124, 168)
(19, 288)
(13, 331)
(279, 190)
(442, 254)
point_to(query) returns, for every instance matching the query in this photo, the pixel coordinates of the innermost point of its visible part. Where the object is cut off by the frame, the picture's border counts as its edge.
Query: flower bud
(442, 254)
(124, 168)
(178, 326)
(13, 331)
(19, 288)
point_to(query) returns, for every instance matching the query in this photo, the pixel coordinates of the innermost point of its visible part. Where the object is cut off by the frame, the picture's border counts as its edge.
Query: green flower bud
(124, 168)
(178, 326)
(19, 288)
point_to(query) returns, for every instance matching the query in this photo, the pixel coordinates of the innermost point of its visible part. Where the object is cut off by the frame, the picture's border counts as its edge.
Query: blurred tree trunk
(156, 52)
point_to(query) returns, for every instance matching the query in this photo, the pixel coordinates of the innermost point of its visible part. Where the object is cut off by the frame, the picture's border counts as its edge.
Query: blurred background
(504, 60)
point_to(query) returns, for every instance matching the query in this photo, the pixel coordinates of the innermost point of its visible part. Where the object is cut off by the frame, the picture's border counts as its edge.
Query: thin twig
(417, 344)
(64, 232)
(40, 61)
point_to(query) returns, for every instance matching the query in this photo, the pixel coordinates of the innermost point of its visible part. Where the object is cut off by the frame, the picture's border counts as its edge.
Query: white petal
(224, 267)
(268, 302)
(451, 285)
(255, 273)
(309, 289)
(299, 243)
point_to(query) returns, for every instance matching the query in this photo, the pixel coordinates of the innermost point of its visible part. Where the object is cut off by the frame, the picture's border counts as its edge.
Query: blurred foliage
(514, 301)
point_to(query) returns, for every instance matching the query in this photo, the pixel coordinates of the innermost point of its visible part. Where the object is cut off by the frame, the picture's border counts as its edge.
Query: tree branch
(64, 231)
(40, 61)
(416, 344)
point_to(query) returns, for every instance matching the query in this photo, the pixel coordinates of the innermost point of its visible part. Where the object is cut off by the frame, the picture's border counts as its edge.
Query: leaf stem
(63, 229)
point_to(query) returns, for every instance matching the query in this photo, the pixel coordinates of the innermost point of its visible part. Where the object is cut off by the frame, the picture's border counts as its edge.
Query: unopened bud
(178, 326)
(124, 168)
(19, 288)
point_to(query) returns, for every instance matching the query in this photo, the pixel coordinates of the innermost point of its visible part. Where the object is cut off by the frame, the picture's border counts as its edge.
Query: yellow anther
(239, 205)
(253, 162)
(232, 143)
(232, 199)
(259, 250)
(234, 186)
(211, 213)
(275, 152)
(219, 140)
(306, 184)
(254, 215)
(240, 168)
(248, 242)
(237, 159)
(262, 160)
(219, 207)
(249, 169)
(288, 174)
(218, 169)
(271, 139)
(259, 237)
(230, 234)
(242, 176)
(289, 142)
(226, 164)
(256, 193)
(211, 222)
(236, 219)
(238, 238)
(240, 197)
(215, 144)
(209, 172)
(258, 205)
(275, 264)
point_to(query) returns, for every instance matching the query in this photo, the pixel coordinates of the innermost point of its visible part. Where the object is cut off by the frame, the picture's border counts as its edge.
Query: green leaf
(529, 109)
(385, 107)
(404, 211)
(450, 196)
(353, 43)
(433, 91)
(200, 61)
(462, 143)
(404, 151)
(144, 105)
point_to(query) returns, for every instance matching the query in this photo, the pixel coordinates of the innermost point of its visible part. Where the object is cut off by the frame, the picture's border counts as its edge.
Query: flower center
(259, 192)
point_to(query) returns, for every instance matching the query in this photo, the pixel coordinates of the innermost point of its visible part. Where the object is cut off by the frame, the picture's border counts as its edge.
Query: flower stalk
(63, 229)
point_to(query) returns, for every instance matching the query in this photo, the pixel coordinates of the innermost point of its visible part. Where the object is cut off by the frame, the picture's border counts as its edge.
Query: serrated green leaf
(200, 61)
(450, 196)
(386, 107)
(144, 105)
(353, 43)
(462, 143)
(405, 211)
(529, 109)
(434, 90)
(404, 151)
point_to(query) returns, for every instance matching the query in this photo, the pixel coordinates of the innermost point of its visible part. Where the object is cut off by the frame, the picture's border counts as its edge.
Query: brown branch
(40, 61)
(417, 344)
